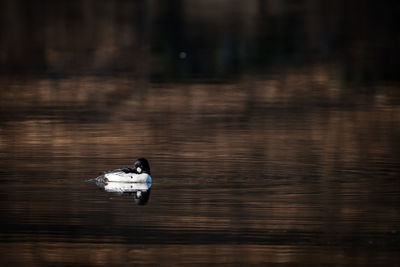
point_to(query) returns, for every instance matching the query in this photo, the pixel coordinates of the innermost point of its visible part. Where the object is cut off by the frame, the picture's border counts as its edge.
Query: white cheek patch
(139, 170)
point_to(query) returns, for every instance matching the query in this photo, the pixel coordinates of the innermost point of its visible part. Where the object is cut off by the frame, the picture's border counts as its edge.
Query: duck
(140, 173)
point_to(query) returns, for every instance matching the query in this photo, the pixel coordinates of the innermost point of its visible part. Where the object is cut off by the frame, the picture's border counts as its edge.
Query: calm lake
(246, 172)
(272, 129)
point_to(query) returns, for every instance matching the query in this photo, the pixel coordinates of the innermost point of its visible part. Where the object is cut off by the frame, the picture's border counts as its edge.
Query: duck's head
(142, 166)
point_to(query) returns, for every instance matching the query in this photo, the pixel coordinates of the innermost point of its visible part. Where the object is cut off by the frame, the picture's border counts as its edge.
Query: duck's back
(128, 177)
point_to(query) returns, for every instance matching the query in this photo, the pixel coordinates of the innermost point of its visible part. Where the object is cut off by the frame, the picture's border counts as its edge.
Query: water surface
(249, 171)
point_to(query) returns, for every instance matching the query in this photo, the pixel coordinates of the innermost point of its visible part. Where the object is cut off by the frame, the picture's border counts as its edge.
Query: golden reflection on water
(292, 169)
(116, 254)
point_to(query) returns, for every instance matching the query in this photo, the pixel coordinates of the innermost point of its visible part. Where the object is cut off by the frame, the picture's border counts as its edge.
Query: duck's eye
(139, 170)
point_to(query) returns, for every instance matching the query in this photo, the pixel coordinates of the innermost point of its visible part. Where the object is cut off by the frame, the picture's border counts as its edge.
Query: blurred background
(271, 126)
(178, 39)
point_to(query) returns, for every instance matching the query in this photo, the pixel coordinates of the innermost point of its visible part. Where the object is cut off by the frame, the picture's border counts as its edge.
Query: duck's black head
(142, 166)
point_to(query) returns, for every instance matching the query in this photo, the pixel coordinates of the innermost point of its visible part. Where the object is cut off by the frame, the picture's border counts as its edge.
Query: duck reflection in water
(139, 191)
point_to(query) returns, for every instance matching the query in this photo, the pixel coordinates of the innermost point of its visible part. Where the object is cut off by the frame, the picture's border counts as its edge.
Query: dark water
(243, 172)
(272, 130)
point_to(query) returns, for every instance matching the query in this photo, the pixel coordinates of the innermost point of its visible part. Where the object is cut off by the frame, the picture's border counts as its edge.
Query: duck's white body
(120, 176)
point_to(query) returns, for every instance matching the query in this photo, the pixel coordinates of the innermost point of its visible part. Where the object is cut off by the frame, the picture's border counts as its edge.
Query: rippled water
(245, 172)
